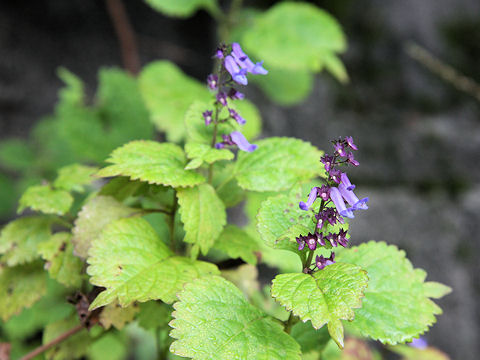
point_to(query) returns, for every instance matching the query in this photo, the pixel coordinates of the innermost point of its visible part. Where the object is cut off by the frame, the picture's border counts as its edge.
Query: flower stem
(173, 244)
(289, 323)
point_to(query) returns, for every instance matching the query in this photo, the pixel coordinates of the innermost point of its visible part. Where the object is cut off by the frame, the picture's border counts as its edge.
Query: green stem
(292, 320)
(173, 245)
(308, 262)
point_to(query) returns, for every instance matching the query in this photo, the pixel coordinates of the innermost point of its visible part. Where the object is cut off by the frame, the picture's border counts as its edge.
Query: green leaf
(309, 338)
(97, 213)
(111, 346)
(326, 297)
(16, 155)
(121, 188)
(226, 185)
(203, 215)
(294, 36)
(74, 177)
(277, 164)
(61, 264)
(20, 238)
(205, 153)
(115, 315)
(20, 286)
(214, 320)
(46, 200)
(436, 290)
(396, 307)
(133, 264)
(335, 66)
(73, 347)
(181, 8)
(154, 315)
(168, 93)
(153, 162)
(8, 196)
(236, 243)
(411, 353)
(286, 87)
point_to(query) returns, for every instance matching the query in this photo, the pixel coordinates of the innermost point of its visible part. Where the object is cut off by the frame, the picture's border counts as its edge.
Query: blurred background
(416, 122)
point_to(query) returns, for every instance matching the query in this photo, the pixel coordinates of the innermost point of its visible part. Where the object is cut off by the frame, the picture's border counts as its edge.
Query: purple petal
(346, 182)
(242, 142)
(337, 199)
(311, 199)
(237, 74)
(350, 143)
(419, 343)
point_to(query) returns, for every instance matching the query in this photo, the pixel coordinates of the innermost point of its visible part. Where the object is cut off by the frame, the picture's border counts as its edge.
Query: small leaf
(168, 93)
(61, 264)
(181, 8)
(277, 164)
(436, 290)
(20, 238)
(214, 320)
(46, 200)
(97, 213)
(203, 215)
(74, 177)
(115, 315)
(20, 286)
(205, 153)
(133, 264)
(326, 297)
(153, 162)
(236, 243)
(396, 307)
(294, 36)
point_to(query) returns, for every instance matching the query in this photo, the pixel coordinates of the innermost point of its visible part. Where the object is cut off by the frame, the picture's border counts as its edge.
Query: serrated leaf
(115, 315)
(294, 36)
(396, 307)
(214, 320)
(203, 215)
(181, 8)
(168, 93)
(46, 200)
(436, 290)
(19, 239)
(277, 164)
(97, 213)
(74, 177)
(326, 297)
(236, 243)
(73, 347)
(205, 153)
(286, 87)
(122, 188)
(133, 264)
(61, 264)
(21, 286)
(153, 162)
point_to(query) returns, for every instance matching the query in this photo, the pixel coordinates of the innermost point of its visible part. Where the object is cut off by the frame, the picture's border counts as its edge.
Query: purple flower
(235, 115)
(207, 115)
(337, 199)
(238, 75)
(242, 143)
(311, 241)
(352, 199)
(419, 343)
(346, 182)
(350, 143)
(321, 261)
(336, 175)
(342, 238)
(222, 98)
(311, 199)
(324, 192)
(327, 161)
(351, 159)
(212, 81)
(332, 239)
(219, 145)
(328, 214)
(340, 149)
(235, 95)
(301, 243)
(245, 63)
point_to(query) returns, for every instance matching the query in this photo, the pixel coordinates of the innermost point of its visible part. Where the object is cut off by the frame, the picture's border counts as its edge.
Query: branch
(54, 342)
(125, 34)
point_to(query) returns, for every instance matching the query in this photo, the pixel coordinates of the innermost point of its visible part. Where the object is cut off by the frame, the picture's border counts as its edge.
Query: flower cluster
(233, 70)
(337, 192)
